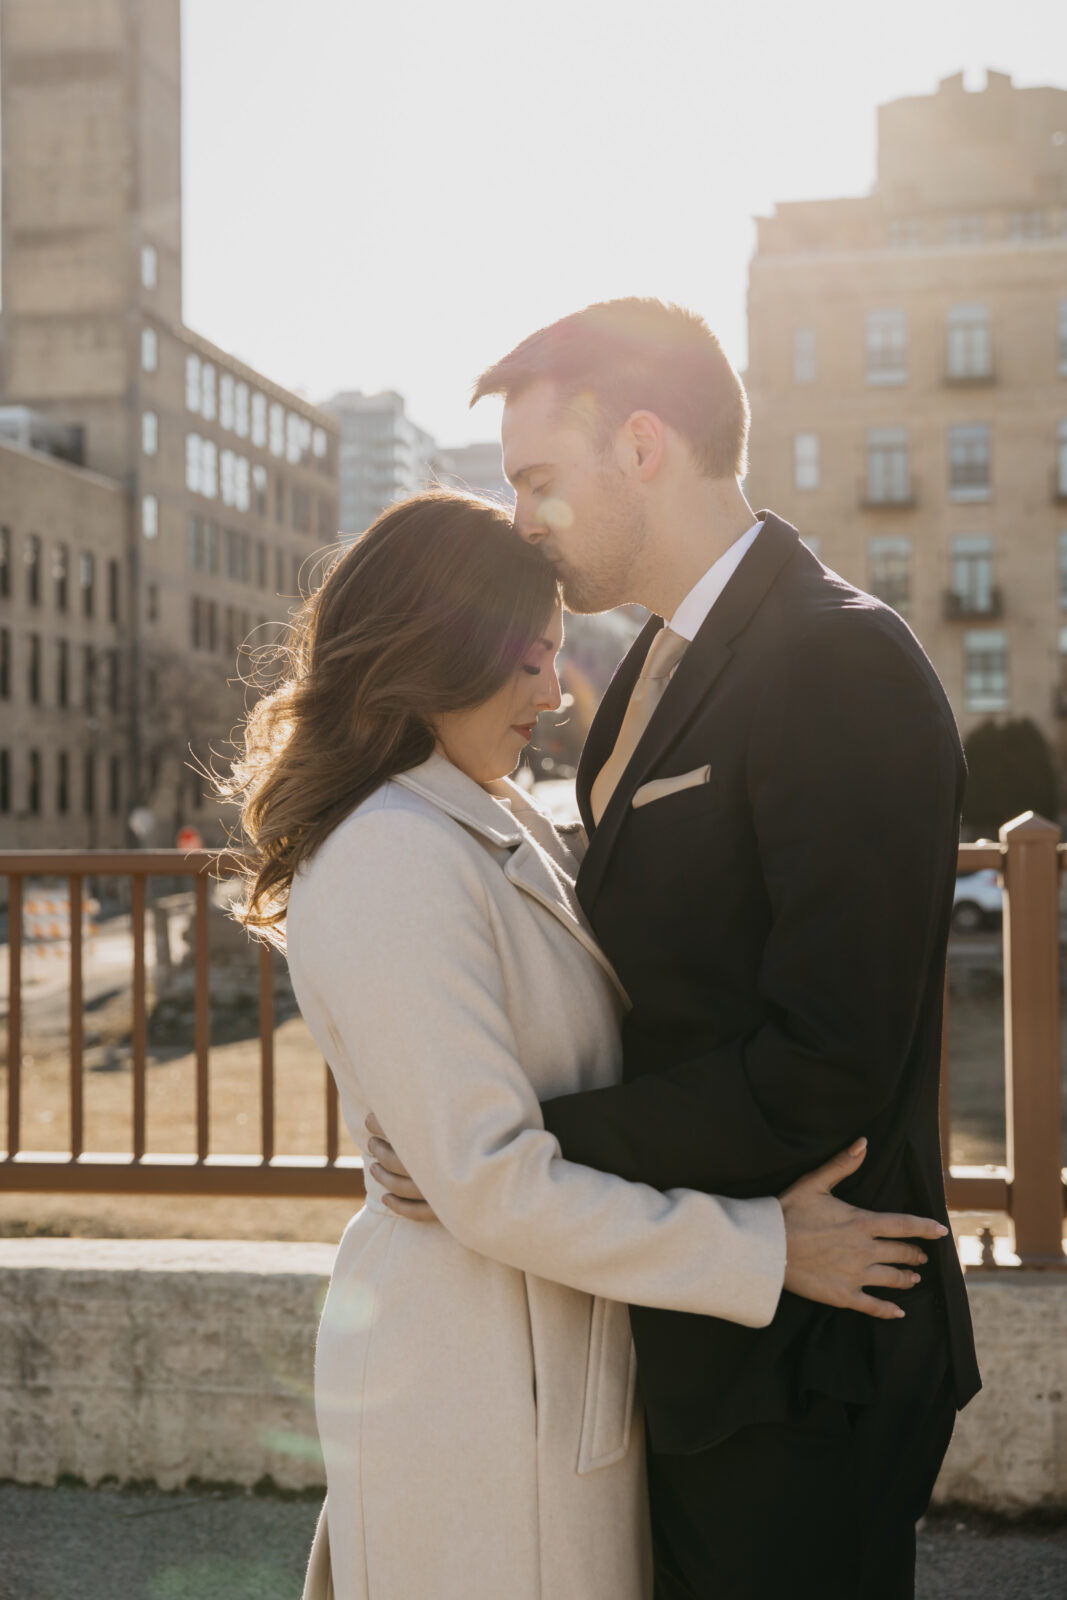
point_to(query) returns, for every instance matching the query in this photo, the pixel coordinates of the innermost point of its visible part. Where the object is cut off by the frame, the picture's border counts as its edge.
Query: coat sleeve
(404, 988)
(853, 781)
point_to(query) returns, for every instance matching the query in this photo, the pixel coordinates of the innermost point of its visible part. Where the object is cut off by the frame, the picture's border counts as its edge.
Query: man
(772, 790)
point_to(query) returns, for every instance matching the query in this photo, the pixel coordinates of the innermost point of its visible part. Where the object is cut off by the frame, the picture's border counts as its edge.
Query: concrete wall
(166, 1361)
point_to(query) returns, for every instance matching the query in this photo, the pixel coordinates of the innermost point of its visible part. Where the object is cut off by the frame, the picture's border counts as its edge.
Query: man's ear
(643, 444)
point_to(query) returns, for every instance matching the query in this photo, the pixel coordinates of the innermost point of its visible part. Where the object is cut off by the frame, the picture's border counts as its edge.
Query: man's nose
(528, 525)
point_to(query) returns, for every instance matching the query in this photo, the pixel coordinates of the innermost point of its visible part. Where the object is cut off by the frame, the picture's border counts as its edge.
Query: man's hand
(401, 1193)
(834, 1251)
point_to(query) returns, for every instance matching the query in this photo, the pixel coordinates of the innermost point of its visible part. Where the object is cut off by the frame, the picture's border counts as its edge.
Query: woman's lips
(525, 730)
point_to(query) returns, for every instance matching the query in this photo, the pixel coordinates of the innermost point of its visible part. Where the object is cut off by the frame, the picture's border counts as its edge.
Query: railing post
(1032, 1038)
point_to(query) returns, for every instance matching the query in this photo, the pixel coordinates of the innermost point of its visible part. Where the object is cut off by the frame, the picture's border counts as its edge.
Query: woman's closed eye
(533, 671)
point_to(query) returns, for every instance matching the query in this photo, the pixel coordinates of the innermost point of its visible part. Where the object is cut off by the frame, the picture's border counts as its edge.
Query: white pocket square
(659, 788)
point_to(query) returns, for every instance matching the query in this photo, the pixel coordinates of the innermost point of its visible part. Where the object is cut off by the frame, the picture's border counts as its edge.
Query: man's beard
(606, 578)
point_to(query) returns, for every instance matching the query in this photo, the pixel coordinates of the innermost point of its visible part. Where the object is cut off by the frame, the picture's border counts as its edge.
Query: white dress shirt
(693, 611)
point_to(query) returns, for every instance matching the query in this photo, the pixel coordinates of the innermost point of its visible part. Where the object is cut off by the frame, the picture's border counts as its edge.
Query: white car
(978, 901)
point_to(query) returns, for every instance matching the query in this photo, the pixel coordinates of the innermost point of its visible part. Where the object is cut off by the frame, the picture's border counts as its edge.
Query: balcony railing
(967, 607)
(1030, 1188)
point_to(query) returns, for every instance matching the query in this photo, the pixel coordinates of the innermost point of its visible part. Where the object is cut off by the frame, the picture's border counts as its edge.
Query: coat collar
(538, 862)
(701, 665)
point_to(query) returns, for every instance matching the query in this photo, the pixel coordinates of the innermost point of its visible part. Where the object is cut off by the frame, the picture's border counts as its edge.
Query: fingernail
(915, 1277)
(923, 1259)
(899, 1312)
(857, 1148)
(941, 1230)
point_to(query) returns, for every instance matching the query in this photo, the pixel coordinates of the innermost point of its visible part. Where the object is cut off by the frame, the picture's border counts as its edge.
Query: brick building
(908, 381)
(177, 488)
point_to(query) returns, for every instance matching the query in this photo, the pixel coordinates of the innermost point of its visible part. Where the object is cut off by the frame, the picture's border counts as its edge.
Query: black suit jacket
(782, 932)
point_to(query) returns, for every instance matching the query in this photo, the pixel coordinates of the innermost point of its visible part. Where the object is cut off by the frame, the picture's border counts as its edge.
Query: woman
(474, 1379)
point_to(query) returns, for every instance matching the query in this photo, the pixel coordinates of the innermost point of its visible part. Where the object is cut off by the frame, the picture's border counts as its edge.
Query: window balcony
(901, 495)
(969, 379)
(969, 607)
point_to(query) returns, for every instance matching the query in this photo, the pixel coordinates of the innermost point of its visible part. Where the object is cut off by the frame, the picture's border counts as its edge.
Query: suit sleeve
(400, 978)
(853, 778)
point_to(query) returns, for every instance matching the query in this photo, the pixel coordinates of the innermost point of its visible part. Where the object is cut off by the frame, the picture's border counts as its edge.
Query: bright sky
(381, 194)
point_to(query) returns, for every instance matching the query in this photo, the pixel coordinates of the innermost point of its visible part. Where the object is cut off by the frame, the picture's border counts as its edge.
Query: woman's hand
(834, 1250)
(402, 1195)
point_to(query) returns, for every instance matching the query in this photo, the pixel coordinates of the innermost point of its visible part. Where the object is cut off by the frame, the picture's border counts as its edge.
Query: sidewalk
(81, 1544)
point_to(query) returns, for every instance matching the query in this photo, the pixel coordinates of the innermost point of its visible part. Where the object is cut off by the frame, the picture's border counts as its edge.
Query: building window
(803, 355)
(33, 669)
(1061, 459)
(211, 548)
(887, 347)
(149, 350)
(318, 443)
(114, 680)
(302, 504)
(1062, 363)
(192, 462)
(965, 230)
(972, 574)
(5, 663)
(889, 563)
(62, 673)
(5, 563)
(236, 556)
(33, 783)
(327, 518)
(985, 670)
(149, 266)
(211, 615)
(261, 564)
(888, 472)
(969, 349)
(226, 400)
(209, 469)
(259, 490)
(805, 461)
(259, 420)
(149, 516)
(1024, 225)
(87, 577)
(5, 781)
(196, 544)
(242, 486)
(297, 438)
(905, 232)
(114, 787)
(227, 485)
(62, 783)
(88, 678)
(279, 498)
(969, 461)
(279, 571)
(149, 433)
(192, 383)
(240, 410)
(194, 621)
(277, 429)
(207, 391)
(152, 602)
(32, 556)
(60, 577)
(113, 591)
(89, 783)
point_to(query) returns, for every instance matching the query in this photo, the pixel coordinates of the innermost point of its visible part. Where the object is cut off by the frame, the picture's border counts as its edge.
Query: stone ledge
(167, 1361)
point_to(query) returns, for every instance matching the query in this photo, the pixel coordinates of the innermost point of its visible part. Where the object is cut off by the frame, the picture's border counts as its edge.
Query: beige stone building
(198, 490)
(908, 381)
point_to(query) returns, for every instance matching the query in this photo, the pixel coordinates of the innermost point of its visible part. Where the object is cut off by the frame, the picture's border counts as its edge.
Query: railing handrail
(1031, 1188)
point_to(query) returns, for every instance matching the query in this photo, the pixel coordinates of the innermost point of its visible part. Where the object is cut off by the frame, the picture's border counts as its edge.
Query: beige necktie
(666, 651)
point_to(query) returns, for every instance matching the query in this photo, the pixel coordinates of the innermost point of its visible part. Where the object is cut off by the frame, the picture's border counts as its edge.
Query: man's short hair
(622, 356)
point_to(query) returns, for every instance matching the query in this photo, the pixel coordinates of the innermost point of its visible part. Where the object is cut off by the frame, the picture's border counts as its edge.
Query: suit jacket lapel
(699, 668)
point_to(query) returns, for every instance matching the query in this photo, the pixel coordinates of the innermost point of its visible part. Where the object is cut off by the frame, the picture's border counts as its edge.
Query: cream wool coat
(474, 1381)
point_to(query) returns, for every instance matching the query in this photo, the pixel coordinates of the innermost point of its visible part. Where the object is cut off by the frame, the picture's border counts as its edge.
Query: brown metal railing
(140, 1171)
(1031, 1188)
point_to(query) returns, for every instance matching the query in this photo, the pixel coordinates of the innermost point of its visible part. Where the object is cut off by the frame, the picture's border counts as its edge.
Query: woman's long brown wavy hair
(431, 610)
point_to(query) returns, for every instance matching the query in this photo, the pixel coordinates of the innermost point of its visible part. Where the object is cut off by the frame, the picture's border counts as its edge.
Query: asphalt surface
(103, 1544)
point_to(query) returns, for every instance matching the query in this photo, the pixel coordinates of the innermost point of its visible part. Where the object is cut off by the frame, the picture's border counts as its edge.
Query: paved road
(100, 1544)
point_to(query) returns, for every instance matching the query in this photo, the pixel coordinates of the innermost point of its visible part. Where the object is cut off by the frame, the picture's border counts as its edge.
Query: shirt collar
(693, 611)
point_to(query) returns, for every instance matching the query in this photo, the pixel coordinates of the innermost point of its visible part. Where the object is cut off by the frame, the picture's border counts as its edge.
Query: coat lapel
(535, 857)
(698, 670)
